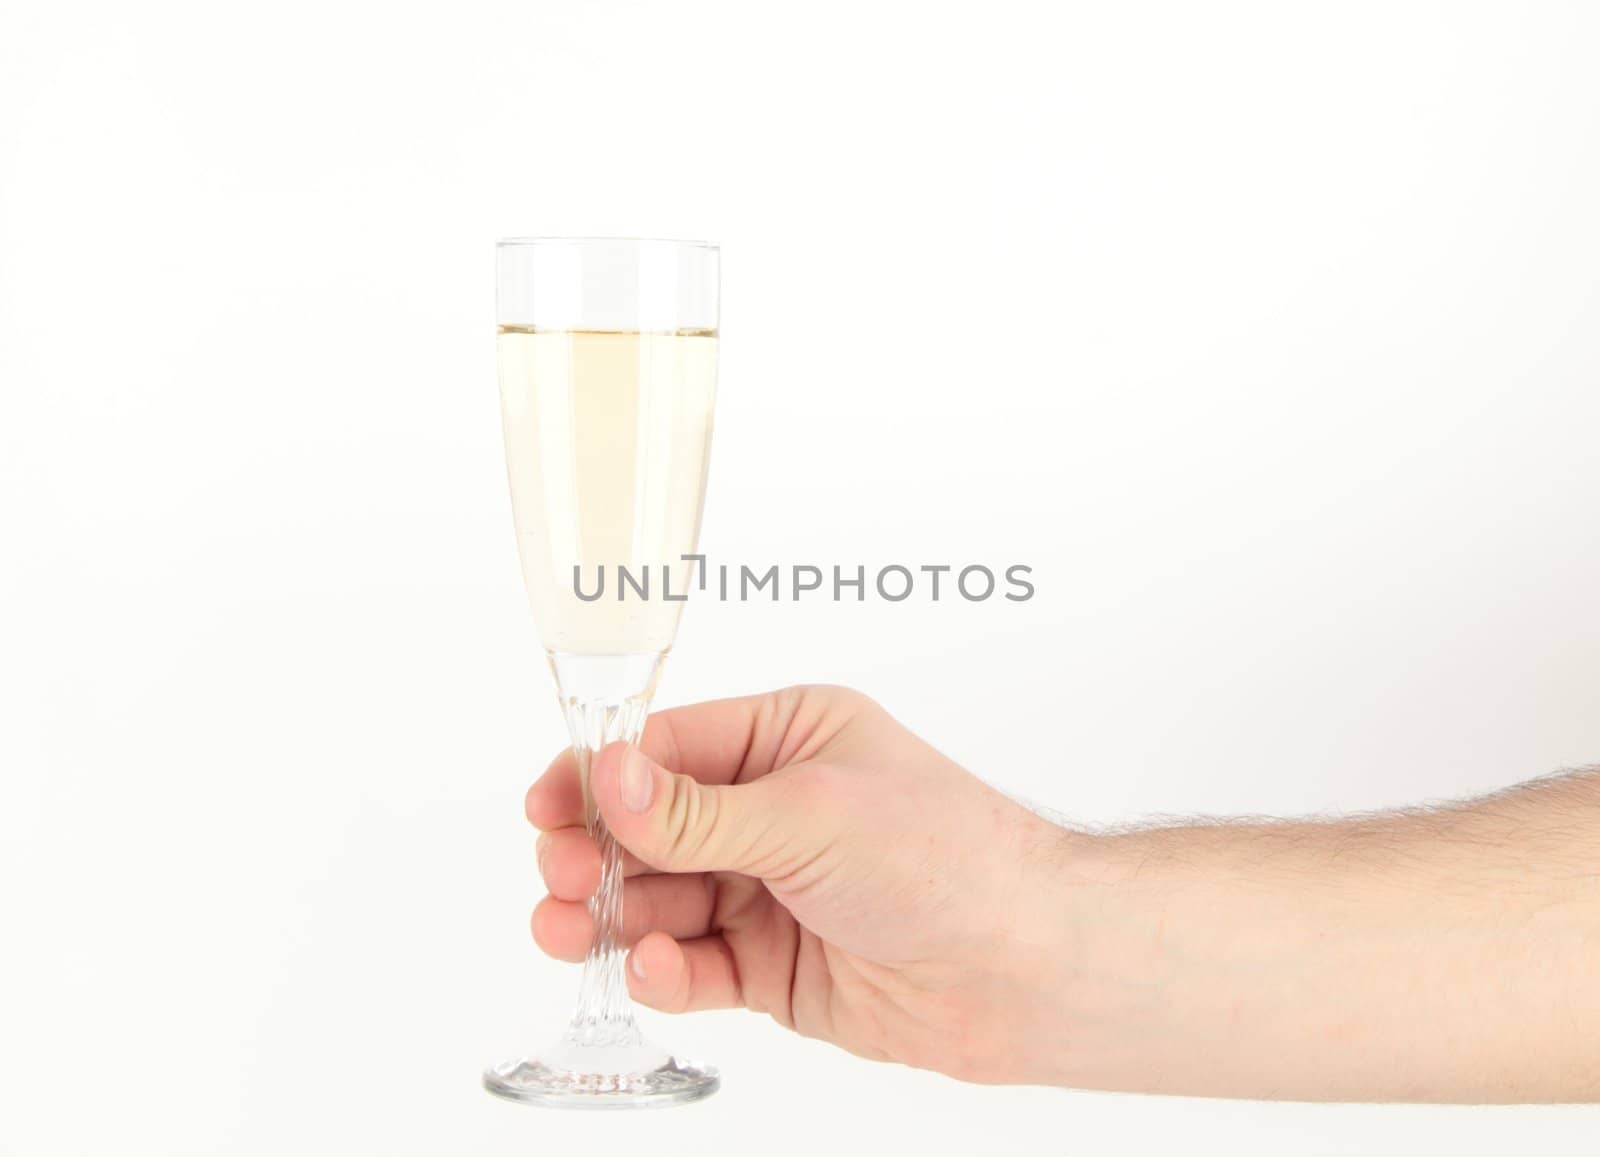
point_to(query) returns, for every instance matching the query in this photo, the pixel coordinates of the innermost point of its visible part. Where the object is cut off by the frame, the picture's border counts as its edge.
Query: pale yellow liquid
(608, 436)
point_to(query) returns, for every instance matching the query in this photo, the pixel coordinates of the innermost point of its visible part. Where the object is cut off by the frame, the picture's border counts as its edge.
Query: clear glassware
(607, 355)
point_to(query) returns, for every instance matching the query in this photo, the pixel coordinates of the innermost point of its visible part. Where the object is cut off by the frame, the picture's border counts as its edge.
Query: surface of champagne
(608, 437)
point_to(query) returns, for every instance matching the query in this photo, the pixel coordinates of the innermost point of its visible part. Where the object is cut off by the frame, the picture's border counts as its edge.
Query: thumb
(674, 823)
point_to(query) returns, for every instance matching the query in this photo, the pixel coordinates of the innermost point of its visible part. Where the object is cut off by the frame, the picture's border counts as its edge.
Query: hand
(802, 854)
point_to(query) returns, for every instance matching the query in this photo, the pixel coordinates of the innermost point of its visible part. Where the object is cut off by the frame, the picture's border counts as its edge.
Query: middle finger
(569, 862)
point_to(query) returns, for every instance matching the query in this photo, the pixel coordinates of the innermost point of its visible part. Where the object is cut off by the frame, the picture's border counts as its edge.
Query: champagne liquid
(608, 437)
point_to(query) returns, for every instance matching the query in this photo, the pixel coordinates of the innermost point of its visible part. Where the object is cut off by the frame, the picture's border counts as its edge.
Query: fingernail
(636, 964)
(540, 849)
(638, 781)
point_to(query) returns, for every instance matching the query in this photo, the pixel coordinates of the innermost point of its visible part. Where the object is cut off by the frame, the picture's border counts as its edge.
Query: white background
(1267, 334)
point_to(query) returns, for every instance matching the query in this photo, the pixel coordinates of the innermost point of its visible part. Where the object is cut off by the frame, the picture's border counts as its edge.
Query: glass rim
(507, 242)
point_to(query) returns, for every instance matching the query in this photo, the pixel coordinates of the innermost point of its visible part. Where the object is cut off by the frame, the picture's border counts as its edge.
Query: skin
(1445, 955)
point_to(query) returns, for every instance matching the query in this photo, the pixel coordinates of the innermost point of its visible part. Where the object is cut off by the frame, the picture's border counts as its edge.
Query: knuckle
(691, 819)
(835, 696)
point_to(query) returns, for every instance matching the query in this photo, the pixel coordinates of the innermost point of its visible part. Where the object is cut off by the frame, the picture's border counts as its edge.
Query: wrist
(1055, 949)
(1113, 918)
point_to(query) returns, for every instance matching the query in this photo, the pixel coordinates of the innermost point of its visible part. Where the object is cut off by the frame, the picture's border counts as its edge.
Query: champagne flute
(608, 365)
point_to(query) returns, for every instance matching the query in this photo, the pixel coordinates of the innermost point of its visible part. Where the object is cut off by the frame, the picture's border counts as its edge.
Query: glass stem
(604, 1014)
(606, 700)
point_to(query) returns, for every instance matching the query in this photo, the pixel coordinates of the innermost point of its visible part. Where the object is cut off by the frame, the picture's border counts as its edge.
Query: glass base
(538, 1082)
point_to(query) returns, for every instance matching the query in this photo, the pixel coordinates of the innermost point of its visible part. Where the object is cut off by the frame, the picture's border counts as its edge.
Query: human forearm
(1446, 956)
